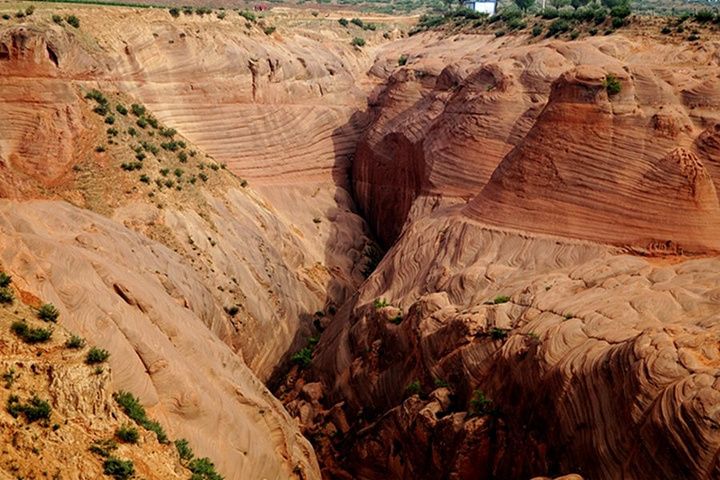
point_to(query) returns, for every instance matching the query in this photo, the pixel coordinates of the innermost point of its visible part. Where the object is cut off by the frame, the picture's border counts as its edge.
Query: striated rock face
(200, 291)
(159, 320)
(511, 333)
(531, 139)
(81, 412)
(582, 172)
(584, 360)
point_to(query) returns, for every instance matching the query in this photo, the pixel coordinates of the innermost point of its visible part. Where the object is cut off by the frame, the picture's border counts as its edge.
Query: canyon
(439, 255)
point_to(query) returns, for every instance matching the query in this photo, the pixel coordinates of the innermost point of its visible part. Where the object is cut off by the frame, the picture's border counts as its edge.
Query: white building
(481, 6)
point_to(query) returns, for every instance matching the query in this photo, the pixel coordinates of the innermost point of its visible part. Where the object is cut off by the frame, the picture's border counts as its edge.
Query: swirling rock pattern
(512, 330)
(530, 138)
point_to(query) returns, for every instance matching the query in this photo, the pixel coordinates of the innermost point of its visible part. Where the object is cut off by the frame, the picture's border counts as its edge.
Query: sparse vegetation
(133, 409)
(9, 377)
(48, 312)
(612, 84)
(498, 333)
(413, 388)
(303, 357)
(479, 404)
(96, 355)
(380, 303)
(104, 448)
(30, 334)
(73, 21)
(184, 450)
(33, 410)
(203, 469)
(501, 299)
(75, 342)
(127, 434)
(118, 468)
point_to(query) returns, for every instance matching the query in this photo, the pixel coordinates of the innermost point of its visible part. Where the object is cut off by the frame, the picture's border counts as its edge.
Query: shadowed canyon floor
(200, 195)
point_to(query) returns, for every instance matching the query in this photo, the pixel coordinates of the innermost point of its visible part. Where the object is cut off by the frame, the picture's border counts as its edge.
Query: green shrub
(144, 178)
(269, 30)
(693, 37)
(35, 409)
(232, 310)
(119, 469)
(537, 30)
(247, 15)
(203, 176)
(344, 22)
(73, 21)
(182, 156)
(5, 280)
(168, 132)
(566, 13)
(402, 60)
(141, 122)
(178, 172)
(137, 110)
(121, 109)
(574, 35)
(30, 334)
(557, 27)
(705, 15)
(612, 84)
(174, 12)
(133, 409)
(666, 30)
(132, 132)
(303, 357)
(413, 388)
(9, 377)
(621, 11)
(48, 312)
(75, 342)
(618, 22)
(96, 355)
(380, 303)
(127, 434)
(516, 24)
(203, 469)
(184, 450)
(440, 383)
(501, 299)
(479, 404)
(110, 120)
(357, 21)
(6, 295)
(549, 13)
(57, 19)
(103, 448)
(498, 333)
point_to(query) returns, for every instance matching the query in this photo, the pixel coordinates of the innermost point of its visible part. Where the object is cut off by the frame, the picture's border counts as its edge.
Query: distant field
(398, 7)
(378, 6)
